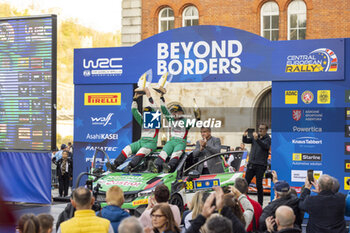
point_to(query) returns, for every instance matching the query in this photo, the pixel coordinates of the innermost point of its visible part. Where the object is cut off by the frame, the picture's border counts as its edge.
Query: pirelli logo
(102, 99)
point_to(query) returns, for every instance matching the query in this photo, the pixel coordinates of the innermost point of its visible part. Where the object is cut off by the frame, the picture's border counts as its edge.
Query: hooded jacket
(114, 214)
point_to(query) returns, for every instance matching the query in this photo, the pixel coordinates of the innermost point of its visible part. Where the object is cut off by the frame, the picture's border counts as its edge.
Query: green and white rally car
(140, 183)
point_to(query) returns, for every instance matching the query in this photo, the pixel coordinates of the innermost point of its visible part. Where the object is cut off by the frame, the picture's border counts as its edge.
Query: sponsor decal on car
(140, 202)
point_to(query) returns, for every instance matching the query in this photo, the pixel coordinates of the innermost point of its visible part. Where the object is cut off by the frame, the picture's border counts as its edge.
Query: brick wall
(325, 18)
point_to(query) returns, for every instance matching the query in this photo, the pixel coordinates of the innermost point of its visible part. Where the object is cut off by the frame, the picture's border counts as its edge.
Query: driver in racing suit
(146, 144)
(178, 136)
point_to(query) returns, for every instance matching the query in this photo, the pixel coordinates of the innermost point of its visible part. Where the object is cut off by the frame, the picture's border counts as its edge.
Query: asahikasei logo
(319, 60)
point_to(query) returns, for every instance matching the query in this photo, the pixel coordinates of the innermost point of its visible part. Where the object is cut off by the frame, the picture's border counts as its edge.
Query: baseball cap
(63, 146)
(281, 186)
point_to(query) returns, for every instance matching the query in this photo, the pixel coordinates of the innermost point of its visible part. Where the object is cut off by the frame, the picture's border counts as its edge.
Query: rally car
(139, 183)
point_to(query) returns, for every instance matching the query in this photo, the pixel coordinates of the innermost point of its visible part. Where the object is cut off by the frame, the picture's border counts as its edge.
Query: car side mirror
(194, 174)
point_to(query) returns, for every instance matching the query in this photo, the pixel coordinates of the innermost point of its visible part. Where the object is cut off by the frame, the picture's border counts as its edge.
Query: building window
(190, 16)
(297, 20)
(270, 20)
(263, 111)
(166, 19)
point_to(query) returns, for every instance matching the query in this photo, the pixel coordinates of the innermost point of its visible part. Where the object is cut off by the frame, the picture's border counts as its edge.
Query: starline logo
(102, 120)
(102, 98)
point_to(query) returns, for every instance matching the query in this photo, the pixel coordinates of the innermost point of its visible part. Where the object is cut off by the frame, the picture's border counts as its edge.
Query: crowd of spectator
(215, 212)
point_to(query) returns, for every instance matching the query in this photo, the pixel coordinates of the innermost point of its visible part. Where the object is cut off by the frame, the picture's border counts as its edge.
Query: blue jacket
(114, 214)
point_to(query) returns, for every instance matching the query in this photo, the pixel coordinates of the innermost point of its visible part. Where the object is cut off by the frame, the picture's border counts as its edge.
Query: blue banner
(212, 54)
(25, 177)
(102, 119)
(311, 129)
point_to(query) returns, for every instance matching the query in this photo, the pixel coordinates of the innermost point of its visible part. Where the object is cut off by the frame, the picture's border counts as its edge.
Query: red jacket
(257, 214)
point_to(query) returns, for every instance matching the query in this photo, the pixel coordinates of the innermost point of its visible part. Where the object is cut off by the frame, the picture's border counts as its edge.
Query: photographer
(283, 197)
(258, 158)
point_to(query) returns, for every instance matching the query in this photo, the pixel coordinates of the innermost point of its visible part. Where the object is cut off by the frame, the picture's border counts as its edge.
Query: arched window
(263, 111)
(190, 16)
(297, 20)
(270, 20)
(166, 19)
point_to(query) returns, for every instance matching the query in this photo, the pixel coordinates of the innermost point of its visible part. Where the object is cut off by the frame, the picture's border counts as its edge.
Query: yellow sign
(140, 202)
(297, 157)
(317, 175)
(102, 98)
(347, 165)
(189, 185)
(323, 96)
(291, 97)
(346, 185)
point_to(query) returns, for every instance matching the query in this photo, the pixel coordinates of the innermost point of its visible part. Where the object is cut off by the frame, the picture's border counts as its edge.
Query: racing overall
(142, 147)
(178, 139)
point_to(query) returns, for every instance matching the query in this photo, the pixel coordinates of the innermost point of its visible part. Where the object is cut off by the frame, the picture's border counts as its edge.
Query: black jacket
(291, 200)
(65, 215)
(260, 149)
(70, 167)
(290, 230)
(198, 222)
(326, 211)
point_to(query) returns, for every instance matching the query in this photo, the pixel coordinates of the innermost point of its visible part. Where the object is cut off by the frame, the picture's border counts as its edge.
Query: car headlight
(147, 192)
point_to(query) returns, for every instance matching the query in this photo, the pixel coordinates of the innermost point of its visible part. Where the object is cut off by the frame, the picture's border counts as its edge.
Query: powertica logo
(102, 120)
(103, 66)
(102, 98)
(196, 58)
(319, 60)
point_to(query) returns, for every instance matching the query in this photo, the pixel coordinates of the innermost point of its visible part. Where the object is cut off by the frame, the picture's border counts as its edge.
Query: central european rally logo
(319, 60)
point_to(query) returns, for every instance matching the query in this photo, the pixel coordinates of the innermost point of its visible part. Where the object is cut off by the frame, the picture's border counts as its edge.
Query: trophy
(144, 82)
(162, 83)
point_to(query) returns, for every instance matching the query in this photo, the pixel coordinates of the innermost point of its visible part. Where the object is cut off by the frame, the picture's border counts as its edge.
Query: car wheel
(176, 199)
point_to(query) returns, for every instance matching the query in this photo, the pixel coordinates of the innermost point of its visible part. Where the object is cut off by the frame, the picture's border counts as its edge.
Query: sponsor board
(307, 141)
(347, 113)
(347, 165)
(102, 136)
(301, 175)
(291, 97)
(347, 183)
(102, 99)
(296, 114)
(311, 129)
(347, 96)
(307, 97)
(103, 66)
(102, 120)
(105, 148)
(347, 131)
(323, 96)
(307, 157)
(347, 148)
(319, 60)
